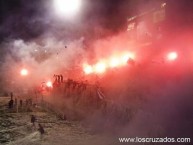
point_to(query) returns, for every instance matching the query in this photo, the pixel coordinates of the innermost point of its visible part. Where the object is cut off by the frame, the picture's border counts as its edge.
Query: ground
(16, 129)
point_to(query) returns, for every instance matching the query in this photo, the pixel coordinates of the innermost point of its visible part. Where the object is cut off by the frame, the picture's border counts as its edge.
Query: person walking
(41, 130)
(33, 120)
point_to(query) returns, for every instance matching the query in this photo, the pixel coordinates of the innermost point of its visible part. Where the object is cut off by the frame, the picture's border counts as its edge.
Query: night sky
(35, 20)
(30, 19)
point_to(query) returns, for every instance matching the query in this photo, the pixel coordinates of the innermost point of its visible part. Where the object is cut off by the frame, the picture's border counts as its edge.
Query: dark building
(160, 26)
(161, 20)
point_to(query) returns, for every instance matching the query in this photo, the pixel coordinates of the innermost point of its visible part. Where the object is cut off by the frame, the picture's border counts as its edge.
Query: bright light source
(24, 72)
(114, 62)
(67, 7)
(172, 56)
(100, 67)
(49, 84)
(118, 60)
(126, 57)
(88, 69)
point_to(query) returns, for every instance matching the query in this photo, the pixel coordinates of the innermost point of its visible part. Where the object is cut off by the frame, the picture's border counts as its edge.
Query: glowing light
(67, 7)
(24, 72)
(125, 58)
(88, 69)
(172, 56)
(100, 67)
(114, 62)
(118, 60)
(49, 84)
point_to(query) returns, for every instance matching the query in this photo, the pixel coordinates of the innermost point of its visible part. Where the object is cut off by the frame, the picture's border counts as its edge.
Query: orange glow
(24, 72)
(100, 67)
(172, 56)
(88, 69)
(49, 84)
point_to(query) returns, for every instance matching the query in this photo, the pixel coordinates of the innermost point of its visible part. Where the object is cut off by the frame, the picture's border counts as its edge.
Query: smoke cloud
(42, 58)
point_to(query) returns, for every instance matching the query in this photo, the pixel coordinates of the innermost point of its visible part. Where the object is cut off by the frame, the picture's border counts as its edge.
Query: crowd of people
(70, 83)
(81, 97)
(13, 104)
(18, 102)
(91, 97)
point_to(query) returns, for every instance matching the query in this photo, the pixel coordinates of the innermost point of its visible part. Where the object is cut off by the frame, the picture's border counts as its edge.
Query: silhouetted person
(58, 78)
(33, 120)
(11, 104)
(68, 83)
(20, 103)
(15, 102)
(41, 129)
(61, 78)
